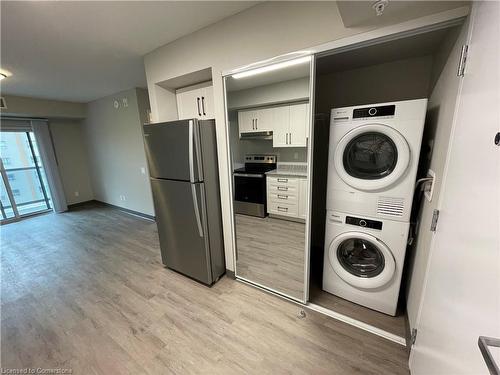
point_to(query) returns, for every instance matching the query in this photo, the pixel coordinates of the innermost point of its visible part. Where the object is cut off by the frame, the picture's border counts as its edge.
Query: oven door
(250, 194)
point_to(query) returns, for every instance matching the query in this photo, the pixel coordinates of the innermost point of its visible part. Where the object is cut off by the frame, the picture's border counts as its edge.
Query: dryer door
(361, 260)
(372, 157)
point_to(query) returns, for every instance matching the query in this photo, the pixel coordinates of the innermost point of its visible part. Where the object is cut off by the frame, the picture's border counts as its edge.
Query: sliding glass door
(24, 189)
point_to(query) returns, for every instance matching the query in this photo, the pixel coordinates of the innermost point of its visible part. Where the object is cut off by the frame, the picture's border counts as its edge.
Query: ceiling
(357, 13)
(82, 51)
(414, 46)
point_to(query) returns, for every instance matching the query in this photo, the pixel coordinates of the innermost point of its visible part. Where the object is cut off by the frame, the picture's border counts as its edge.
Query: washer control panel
(384, 110)
(365, 223)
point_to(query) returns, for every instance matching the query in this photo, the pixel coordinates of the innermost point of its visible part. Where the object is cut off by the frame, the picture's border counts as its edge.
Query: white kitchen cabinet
(291, 129)
(298, 125)
(287, 196)
(302, 201)
(195, 102)
(246, 121)
(281, 126)
(256, 120)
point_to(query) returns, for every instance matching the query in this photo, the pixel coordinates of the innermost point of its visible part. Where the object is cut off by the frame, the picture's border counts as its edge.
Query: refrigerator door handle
(190, 150)
(196, 210)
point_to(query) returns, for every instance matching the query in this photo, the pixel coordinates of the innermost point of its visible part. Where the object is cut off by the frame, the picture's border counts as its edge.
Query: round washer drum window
(370, 156)
(360, 257)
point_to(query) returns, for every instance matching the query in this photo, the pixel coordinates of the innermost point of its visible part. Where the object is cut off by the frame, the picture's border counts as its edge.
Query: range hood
(265, 135)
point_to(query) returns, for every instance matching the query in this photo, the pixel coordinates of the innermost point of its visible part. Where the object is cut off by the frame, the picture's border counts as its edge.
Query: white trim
(405, 29)
(358, 324)
(310, 148)
(271, 290)
(330, 313)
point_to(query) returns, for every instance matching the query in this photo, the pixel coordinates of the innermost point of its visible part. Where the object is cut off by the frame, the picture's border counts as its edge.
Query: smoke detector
(380, 6)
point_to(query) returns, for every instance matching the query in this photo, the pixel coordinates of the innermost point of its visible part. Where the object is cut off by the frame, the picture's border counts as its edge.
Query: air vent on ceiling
(390, 206)
(3, 103)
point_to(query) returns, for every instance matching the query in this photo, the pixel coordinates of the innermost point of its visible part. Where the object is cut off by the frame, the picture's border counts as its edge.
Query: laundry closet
(381, 116)
(381, 128)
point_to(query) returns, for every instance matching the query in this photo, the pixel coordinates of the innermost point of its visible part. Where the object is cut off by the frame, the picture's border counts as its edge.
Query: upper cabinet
(289, 123)
(195, 102)
(258, 120)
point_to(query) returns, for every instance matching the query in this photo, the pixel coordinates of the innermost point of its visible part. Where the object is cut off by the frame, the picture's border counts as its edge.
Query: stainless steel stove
(250, 185)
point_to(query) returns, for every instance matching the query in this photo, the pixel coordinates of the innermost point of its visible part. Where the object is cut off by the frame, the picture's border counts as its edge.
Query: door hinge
(413, 336)
(462, 61)
(435, 218)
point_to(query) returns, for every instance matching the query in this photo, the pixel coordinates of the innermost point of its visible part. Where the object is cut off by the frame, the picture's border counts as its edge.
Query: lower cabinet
(287, 196)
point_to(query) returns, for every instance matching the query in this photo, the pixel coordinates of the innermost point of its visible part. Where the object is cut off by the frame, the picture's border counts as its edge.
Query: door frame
(446, 19)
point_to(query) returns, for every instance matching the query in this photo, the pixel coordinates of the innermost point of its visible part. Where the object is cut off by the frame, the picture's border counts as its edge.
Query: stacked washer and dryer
(373, 160)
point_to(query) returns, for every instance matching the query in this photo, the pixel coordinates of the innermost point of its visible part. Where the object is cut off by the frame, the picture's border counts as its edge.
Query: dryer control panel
(384, 110)
(365, 223)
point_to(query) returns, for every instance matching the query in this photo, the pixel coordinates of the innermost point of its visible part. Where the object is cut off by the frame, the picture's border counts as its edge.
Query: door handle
(286, 138)
(203, 105)
(256, 124)
(196, 210)
(253, 124)
(198, 102)
(283, 209)
(290, 138)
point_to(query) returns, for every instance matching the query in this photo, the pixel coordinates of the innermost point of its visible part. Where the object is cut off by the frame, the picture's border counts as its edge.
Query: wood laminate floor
(86, 290)
(271, 253)
(393, 324)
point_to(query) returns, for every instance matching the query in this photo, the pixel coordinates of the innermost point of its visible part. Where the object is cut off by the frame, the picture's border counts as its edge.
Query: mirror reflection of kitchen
(268, 116)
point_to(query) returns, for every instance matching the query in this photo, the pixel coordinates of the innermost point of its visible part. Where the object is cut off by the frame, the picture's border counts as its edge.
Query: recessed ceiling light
(2, 76)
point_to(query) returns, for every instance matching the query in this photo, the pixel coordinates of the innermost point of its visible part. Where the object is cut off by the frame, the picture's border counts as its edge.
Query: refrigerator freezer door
(182, 227)
(173, 150)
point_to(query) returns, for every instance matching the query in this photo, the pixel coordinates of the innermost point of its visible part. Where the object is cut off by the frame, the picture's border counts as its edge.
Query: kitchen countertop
(276, 172)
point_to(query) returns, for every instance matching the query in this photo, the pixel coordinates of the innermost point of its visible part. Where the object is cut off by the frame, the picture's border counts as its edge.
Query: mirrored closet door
(268, 119)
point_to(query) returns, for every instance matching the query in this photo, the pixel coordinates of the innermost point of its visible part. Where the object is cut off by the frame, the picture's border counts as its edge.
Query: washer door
(361, 260)
(372, 157)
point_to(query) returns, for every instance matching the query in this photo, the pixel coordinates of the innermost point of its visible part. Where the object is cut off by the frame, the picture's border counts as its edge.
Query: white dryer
(373, 158)
(363, 260)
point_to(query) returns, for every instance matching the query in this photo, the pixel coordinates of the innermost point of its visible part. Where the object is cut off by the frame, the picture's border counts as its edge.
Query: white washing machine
(364, 259)
(373, 158)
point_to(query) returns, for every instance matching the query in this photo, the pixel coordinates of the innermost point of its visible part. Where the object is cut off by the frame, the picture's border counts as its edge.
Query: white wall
(264, 31)
(393, 81)
(440, 112)
(116, 151)
(282, 92)
(71, 153)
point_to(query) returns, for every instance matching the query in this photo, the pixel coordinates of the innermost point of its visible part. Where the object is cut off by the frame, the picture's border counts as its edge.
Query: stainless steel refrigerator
(182, 159)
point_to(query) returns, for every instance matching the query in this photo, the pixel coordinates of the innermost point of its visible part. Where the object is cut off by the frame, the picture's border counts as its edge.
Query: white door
(207, 102)
(189, 104)
(246, 121)
(281, 119)
(461, 299)
(299, 125)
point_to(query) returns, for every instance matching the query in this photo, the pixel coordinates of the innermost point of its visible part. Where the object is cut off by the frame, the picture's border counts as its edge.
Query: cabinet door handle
(253, 124)
(290, 138)
(282, 196)
(283, 188)
(198, 102)
(283, 209)
(203, 105)
(286, 141)
(256, 126)
(282, 179)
